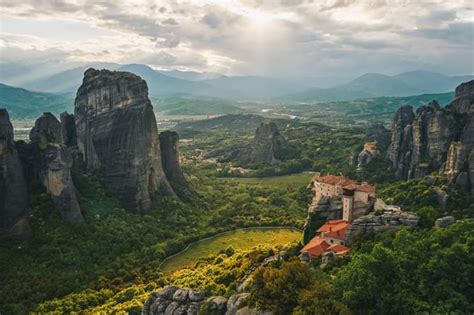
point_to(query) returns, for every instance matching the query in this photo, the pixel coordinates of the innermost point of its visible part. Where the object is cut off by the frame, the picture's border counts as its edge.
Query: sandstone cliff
(118, 138)
(436, 139)
(377, 139)
(268, 142)
(170, 157)
(13, 189)
(68, 129)
(52, 165)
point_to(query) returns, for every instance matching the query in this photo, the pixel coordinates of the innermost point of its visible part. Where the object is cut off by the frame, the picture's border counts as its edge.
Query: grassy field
(296, 179)
(239, 239)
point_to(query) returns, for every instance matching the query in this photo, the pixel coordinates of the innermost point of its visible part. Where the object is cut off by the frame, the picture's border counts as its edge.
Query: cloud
(267, 37)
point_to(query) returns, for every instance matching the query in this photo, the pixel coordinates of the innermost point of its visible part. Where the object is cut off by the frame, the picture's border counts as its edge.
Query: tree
(278, 289)
(319, 299)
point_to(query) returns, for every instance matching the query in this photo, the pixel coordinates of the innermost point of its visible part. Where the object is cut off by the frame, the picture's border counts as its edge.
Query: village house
(329, 237)
(356, 198)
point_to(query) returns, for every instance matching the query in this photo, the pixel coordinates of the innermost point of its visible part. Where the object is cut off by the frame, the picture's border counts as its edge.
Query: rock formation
(13, 189)
(173, 300)
(68, 129)
(268, 142)
(321, 210)
(118, 138)
(389, 220)
(399, 152)
(445, 221)
(377, 139)
(52, 164)
(170, 157)
(436, 139)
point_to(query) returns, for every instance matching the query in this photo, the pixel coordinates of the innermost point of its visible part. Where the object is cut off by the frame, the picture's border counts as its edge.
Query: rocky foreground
(172, 300)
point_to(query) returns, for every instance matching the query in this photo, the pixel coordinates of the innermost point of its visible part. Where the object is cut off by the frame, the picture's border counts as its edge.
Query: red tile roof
(366, 188)
(345, 182)
(334, 229)
(316, 247)
(338, 249)
(334, 180)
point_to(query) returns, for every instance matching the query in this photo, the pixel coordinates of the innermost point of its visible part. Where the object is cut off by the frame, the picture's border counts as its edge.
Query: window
(342, 243)
(332, 241)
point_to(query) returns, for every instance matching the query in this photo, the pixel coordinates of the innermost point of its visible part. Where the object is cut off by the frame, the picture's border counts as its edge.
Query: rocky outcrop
(445, 221)
(321, 210)
(377, 139)
(173, 300)
(267, 144)
(68, 129)
(399, 152)
(464, 98)
(433, 132)
(170, 157)
(52, 164)
(13, 188)
(436, 139)
(389, 220)
(118, 138)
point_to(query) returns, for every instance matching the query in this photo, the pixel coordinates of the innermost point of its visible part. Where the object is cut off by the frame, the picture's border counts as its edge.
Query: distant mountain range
(167, 83)
(172, 83)
(22, 103)
(188, 92)
(377, 85)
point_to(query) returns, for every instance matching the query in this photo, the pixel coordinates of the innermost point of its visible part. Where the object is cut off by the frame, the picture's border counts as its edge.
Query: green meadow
(241, 239)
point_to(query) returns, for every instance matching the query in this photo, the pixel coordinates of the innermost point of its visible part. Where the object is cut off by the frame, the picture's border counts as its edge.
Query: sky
(279, 38)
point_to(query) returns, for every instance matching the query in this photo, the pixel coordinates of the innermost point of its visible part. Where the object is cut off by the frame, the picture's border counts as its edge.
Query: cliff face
(68, 129)
(52, 164)
(267, 143)
(13, 189)
(436, 139)
(118, 138)
(399, 152)
(170, 157)
(377, 138)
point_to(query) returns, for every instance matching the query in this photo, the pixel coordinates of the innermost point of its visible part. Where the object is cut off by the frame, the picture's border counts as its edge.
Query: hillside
(182, 105)
(377, 85)
(22, 103)
(363, 110)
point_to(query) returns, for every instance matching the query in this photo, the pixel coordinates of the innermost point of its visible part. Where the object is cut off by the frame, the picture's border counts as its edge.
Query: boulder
(441, 197)
(118, 138)
(181, 295)
(13, 187)
(196, 295)
(168, 291)
(234, 302)
(193, 308)
(170, 157)
(445, 221)
(216, 304)
(181, 310)
(171, 308)
(52, 164)
(250, 311)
